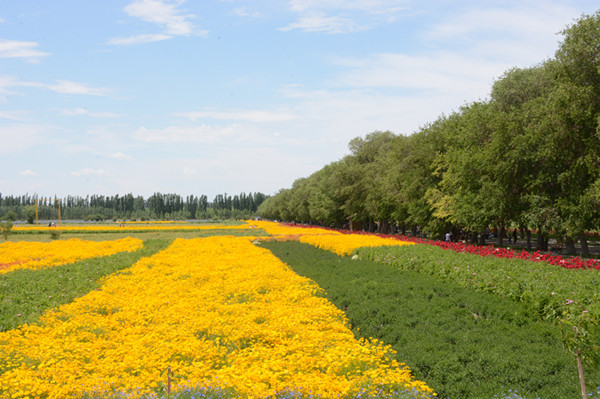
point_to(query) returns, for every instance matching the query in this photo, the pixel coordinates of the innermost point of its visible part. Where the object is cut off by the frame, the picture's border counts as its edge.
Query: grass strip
(26, 294)
(18, 235)
(464, 343)
(552, 291)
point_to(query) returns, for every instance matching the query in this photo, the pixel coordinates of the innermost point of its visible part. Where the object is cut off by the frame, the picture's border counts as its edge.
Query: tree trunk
(544, 242)
(501, 233)
(570, 246)
(474, 238)
(540, 241)
(482, 239)
(528, 239)
(585, 251)
(383, 227)
(372, 226)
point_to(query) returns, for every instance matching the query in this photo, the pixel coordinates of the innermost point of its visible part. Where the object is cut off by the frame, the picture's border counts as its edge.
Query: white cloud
(75, 149)
(245, 12)
(202, 134)
(13, 115)
(161, 13)
(85, 172)
(61, 86)
(83, 111)
(189, 172)
(124, 41)
(121, 156)
(334, 117)
(437, 72)
(370, 6)
(342, 16)
(20, 49)
(241, 115)
(27, 173)
(323, 23)
(19, 138)
(8, 81)
(525, 34)
(69, 87)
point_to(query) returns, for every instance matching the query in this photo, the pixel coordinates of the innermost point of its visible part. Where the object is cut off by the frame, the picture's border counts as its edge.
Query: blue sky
(210, 97)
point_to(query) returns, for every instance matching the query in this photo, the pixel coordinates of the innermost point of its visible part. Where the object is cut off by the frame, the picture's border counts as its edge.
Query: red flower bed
(489, 250)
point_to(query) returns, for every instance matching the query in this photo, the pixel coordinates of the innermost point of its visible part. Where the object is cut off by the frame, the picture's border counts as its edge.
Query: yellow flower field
(131, 227)
(276, 229)
(330, 240)
(344, 244)
(218, 311)
(35, 255)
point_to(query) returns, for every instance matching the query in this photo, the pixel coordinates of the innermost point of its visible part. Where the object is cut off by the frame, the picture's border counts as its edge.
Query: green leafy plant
(6, 229)
(55, 234)
(581, 337)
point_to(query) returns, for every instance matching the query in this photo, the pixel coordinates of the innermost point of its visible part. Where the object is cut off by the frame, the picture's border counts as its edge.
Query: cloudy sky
(207, 97)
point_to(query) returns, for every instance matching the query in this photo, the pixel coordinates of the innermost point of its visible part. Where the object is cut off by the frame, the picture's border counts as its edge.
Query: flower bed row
(275, 229)
(35, 255)
(126, 227)
(331, 240)
(490, 250)
(574, 262)
(219, 312)
(344, 245)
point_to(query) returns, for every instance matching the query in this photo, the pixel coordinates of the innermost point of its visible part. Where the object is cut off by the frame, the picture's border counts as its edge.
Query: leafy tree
(10, 216)
(576, 109)
(30, 213)
(411, 175)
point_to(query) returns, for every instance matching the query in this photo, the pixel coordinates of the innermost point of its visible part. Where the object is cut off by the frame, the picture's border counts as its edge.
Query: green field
(465, 343)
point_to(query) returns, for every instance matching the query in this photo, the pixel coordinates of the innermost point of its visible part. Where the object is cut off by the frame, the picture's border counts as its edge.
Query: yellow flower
(278, 229)
(345, 244)
(218, 311)
(35, 255)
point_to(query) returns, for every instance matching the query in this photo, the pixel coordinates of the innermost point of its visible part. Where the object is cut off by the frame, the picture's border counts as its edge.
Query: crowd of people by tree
(526, 159)
(130, 207)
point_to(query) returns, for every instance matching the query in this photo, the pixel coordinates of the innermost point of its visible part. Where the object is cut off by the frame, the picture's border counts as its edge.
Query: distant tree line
(527, 158)
(128, 206)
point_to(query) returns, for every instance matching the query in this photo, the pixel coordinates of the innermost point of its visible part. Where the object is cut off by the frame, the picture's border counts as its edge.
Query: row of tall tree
(157, 206)
(527, 158)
